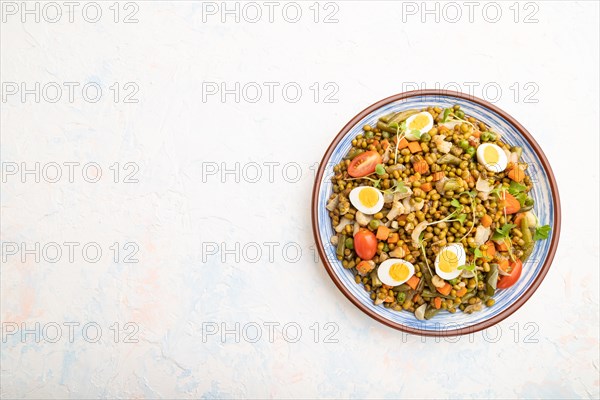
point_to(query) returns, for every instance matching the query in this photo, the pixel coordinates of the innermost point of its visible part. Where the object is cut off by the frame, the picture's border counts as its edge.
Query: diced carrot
(412, 178)
(384, 144)
(393, 238)
(364, 267)
(503, 246)
(421, 166)
(413, 282)
(414, 147)
(486, 221)
(476, 134)
(490, 251)
(445, 290)
(437, 302)
(437, 176)
(518, 218)
(510, 203)
(402, 144)
(382, 232)
(426, 187)
(461, 292)
(389, 299)
(401, 218)
(503, 264)
(517, 173)
(416, 297)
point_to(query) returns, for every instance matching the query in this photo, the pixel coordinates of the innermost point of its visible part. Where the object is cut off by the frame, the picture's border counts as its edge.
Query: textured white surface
(177, 292)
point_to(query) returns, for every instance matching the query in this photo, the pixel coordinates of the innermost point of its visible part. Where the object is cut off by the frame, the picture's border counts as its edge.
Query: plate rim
(546, 168)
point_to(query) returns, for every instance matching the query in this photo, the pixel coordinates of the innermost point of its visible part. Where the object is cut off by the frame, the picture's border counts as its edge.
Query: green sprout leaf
(461, 218)
(456, 203)
(515, 188)
(503, 232)
(416, 133)
(380, 169)
(541, 232)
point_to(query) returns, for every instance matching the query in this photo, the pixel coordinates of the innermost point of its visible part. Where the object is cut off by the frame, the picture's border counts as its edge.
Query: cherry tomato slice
(365, 244)
(515, 274)
(364, 164)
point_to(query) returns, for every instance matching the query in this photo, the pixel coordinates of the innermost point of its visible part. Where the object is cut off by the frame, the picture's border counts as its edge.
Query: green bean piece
(492, 279)
(527, 238)
(341, 245)
(401, 116)
(387, 129)
(431, 312)
(386, 118)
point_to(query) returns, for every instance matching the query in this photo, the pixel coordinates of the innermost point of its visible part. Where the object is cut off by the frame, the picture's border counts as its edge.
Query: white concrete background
(548, 349)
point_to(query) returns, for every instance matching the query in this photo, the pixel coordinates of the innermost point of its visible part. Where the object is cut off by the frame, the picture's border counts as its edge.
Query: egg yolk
(399, 272)
(368, 197)
(490, 155)
(419, 122)
(448, 261)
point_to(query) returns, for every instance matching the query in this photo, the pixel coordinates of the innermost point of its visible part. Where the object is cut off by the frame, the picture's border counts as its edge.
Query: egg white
(355, 200)
(459, 251)
(383, 272)
(426, 128)
(494, 167)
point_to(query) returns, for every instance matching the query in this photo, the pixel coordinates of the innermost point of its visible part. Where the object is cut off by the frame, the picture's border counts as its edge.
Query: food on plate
(432, 211)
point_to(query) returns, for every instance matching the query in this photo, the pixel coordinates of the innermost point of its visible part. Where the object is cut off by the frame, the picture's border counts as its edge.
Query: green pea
(528, 202)
(349, 243)
(463, 144)
(485, 136)
(369, 134)
(426, 137)
(401, 297)
(471, 151)
(460, 114)
(385, 134)
(374, 224)
(493, 137)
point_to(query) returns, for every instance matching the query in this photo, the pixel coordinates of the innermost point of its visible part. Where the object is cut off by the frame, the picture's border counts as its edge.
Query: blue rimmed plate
(544, 192)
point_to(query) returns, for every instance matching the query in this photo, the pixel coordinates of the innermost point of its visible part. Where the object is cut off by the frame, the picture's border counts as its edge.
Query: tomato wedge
(365, 244)
(515, 273)
(364, 164)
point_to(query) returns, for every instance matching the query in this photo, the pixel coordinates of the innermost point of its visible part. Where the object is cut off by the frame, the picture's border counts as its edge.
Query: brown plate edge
(555, 229)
